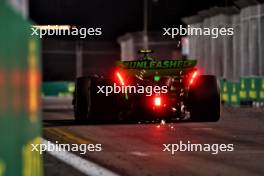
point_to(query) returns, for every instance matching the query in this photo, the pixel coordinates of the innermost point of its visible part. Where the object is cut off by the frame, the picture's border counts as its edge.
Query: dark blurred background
(124, 25)
(118, 17)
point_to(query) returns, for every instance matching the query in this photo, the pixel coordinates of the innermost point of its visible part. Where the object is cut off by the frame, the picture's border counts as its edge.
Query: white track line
(139, 153)
(82, 165)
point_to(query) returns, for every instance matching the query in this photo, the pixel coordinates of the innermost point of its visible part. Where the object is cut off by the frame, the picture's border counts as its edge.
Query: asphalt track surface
(137, 149)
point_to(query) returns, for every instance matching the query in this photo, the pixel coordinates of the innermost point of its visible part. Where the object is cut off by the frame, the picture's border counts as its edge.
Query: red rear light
(194, 75)
(120, 78)
(157, 101)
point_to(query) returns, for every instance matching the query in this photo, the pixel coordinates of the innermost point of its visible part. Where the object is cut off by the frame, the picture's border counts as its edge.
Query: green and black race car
(149, 89)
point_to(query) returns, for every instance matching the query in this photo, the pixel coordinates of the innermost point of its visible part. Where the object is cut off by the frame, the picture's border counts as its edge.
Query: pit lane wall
(20, 76)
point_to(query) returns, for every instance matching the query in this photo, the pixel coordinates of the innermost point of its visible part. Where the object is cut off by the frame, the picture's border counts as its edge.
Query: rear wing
(154, 65)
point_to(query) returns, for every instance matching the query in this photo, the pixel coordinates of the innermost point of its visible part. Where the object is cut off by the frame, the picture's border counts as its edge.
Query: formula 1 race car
(149, 89)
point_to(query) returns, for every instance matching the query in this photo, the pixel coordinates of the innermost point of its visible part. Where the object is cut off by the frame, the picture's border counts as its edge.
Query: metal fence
(233, 56)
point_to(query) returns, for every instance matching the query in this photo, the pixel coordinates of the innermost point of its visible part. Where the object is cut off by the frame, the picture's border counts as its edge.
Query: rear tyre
(204, 99)
(81, 102)
(93, 106)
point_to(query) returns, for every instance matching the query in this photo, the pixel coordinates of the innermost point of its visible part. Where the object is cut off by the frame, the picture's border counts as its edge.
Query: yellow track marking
(65, 136)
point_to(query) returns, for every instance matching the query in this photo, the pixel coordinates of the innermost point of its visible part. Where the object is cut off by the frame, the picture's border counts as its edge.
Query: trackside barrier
(252, 87)
(20, 77)
(58, 88)
(230, 92)
(248, 91)
(256, 89)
